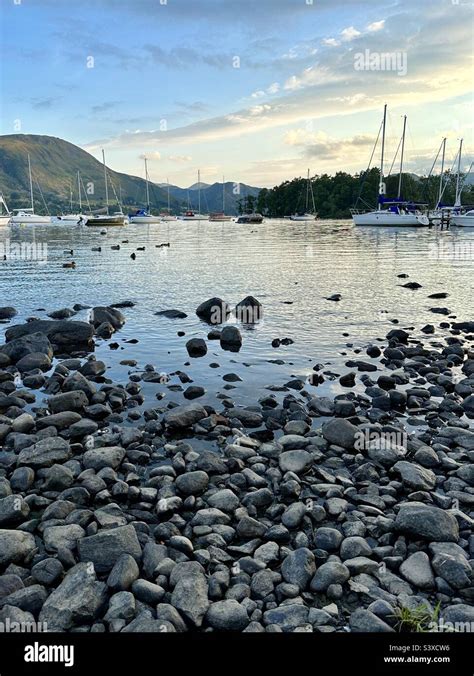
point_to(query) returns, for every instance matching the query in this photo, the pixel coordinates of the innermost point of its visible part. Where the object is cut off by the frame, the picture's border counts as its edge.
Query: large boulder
(184, 416)
(7, 313)
(426, 522)
(15, 546)
(107, 315)
(63, 335)
(45, 453)
(105, 548)
(19, 348)
(340, 432)
(214, 311)
(231, 338)
(79, 599)
(249, 310)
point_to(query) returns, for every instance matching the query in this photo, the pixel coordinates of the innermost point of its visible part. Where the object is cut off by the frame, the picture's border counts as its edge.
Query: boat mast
(106, 186)
(307, 193)
(79, 190)
(381, 185)
(147, 188)
(401, 157)
(199, 191)
(223, 194)
(31, 185)
(457, 202)
(168, 182)
(440, 193)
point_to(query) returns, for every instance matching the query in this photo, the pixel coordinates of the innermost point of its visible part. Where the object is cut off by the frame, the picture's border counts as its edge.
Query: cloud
(106, 105)
(154, 155)
(44, 103)
(179, 158)
(376, 26)
(322, 146)
(349, 34)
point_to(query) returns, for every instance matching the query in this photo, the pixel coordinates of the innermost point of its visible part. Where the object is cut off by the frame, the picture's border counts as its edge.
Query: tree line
(335, 195)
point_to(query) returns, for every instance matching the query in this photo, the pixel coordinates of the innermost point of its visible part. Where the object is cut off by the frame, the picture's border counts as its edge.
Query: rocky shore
(300, 513)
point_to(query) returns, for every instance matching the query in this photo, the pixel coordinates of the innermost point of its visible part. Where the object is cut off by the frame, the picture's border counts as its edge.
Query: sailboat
(307, 216)
(28, 216)
(71, 217)
(167, 215)
(399, 211)
(461, 220)
(118, 218)
(220, 216)
(4, 218)
(190, 215)
(143, 216)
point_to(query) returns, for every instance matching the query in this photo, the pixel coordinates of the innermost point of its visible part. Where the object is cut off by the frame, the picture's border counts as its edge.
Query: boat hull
(389, 219)
(308, 218)
(4, 220)
(106, 220)
(463, 221)
(30, 219)
(145, 219)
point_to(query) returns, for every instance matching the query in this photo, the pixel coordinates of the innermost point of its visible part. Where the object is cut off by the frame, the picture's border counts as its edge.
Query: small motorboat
(142, 216)
(250, 218)
(116, 219)
(304, 217)
(463, 220)
(193, 216)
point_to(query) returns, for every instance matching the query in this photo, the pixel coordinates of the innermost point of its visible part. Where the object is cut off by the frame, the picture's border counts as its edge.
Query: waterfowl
(96, 248)
(69, 251)
(133, 256)
(115, 247)
(69, 265)
(140, 248)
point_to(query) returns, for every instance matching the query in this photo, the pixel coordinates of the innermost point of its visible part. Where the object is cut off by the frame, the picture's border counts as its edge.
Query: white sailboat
(464, 220)
(220, 216)
(144, 216)
(307, 215)
(28, 216)
(399, 212)
(190, 215)
(4, 217)
(117, 218)
(167, 215)
(72, 217)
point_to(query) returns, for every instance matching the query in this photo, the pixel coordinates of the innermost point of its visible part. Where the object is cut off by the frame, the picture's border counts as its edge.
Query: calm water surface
(290, 267)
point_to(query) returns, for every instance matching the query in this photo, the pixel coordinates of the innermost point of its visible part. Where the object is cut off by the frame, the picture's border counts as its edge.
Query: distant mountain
(55, 164)
(212, 196)
(195, 186)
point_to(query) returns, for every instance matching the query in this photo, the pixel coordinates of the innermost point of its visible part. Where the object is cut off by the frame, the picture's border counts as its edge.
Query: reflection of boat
(250, 218)
(307, 216)
(400, 212)
(118, 218)
(28, 216)
(4, 218)
(144, 215)
(464, 220)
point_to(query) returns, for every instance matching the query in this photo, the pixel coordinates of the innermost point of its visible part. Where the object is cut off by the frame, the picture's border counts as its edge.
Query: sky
(257, 91)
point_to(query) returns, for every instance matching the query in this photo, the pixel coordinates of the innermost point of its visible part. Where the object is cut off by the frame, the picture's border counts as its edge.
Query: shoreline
(269, 522)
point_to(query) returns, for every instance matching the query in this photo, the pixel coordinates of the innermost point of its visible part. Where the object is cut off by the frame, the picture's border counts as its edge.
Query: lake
(290, 267)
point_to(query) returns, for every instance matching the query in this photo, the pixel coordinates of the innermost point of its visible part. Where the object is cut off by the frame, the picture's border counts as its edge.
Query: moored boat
(116, 219)
(250, 218)
(4, 218)
(400, 212)
(306, 216)
(144, 216)
(463, 220)
(28, 216)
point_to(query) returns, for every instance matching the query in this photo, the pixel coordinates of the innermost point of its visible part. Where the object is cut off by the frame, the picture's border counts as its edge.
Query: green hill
(55, 164)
